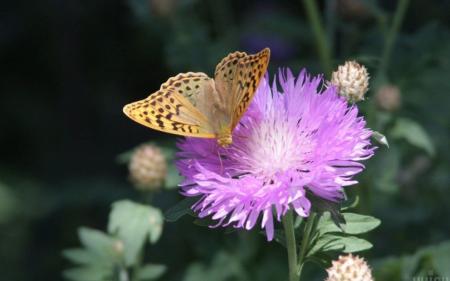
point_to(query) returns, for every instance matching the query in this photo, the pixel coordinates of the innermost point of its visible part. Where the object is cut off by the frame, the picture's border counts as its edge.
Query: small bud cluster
(388, 98)
(148, 167)
(349, 268)
(351, 80)
(163, 8)
(352, 10)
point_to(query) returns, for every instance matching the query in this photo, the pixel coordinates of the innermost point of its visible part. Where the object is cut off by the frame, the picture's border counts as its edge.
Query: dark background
(68, 67)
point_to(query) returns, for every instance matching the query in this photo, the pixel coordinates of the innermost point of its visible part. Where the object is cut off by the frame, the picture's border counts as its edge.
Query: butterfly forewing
(224, 76)
(174, 108)
(226, 70)
(249, 72)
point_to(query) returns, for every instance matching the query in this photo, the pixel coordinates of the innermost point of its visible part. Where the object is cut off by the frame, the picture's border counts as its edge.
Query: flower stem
(324, 50)
(310, 222)
(392, 34)
(138, 264)
(123, 274)
(330, 21)
(291, 245)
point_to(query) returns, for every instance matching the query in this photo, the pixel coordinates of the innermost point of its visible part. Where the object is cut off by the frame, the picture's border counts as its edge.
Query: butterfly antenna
(221, 163)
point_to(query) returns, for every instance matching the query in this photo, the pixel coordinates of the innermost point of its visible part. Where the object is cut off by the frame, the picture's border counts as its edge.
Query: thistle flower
(148, 167)
(352, 81)
(288, 142)
(349, 268)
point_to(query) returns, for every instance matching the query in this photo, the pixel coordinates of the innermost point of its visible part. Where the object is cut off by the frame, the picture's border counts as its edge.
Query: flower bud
(148, 168)
(118, 247)
(163, 8)
(351, 80)
(352, 10)
(388, 98)
(349, 268)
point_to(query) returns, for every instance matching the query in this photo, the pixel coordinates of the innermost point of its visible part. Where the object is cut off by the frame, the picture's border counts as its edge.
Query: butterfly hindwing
(173, 109)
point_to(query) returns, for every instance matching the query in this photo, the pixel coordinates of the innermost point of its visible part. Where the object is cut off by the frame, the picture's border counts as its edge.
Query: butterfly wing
(172, 109)
(249, 71)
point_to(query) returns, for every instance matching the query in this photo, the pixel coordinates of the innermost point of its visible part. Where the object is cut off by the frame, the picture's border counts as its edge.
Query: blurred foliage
(427, 262)
(70, 66)
(112, 256)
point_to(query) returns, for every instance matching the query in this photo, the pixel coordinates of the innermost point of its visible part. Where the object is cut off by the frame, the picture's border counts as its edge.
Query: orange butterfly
(193, 104)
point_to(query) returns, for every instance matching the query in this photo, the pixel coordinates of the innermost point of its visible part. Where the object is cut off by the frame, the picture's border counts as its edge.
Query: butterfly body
(224, 138)
(193, 104)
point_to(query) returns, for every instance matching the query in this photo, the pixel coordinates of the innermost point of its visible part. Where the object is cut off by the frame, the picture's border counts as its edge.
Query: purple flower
(289, 141)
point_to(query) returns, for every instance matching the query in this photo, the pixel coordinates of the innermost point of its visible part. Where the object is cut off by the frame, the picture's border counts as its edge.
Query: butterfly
(195, 105)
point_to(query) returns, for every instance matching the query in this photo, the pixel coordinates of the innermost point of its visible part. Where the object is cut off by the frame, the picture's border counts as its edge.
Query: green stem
(392, 35)
(123, 274)
(310, 222)
(330, 16)
(291, 245)
(324, 50)
(138, 264)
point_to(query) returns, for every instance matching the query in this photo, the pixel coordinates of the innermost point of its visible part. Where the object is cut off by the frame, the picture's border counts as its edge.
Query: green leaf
(320, 206)
(389, 268)
(322, 259)
(350, 203)
(9, 204)
(387, 169)
(173, 177)
(353, 244)
(323, 244)
(434, 258)
(413, 133)
(337, 242)
(195, 271)
(80, 256)
(88, 273)
(151, 272)
(441, 259)
(355, 224)
(180, 209)
(222, 268)
(380, 138)
(298, 221)
(226, 267)
(99, 243)
(133, 223)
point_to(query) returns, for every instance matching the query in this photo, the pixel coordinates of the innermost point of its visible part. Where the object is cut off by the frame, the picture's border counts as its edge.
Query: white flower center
(273, 146)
